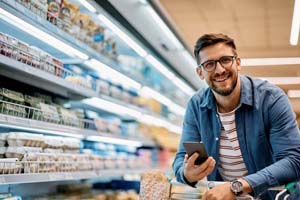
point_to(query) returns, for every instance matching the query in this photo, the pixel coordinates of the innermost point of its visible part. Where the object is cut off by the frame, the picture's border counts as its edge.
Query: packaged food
(101, 124)
(20, 139)
(10, 166)
(68, 117)
(11, 96)
(39, 7)
(49, 113)
(82, 21)
(2, 151)
(11, 103)
(15, 152)
(3, 139)
(54, 7)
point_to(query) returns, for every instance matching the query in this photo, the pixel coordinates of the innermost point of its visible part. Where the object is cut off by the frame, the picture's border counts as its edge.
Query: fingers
(191, 160)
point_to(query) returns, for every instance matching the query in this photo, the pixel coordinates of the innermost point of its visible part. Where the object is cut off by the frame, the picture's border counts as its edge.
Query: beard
(225, 92)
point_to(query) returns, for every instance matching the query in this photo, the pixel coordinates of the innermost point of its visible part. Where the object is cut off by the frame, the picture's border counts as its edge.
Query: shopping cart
(156, 186)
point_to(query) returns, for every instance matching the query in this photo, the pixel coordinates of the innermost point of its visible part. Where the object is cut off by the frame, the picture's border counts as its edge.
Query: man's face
(222, 80)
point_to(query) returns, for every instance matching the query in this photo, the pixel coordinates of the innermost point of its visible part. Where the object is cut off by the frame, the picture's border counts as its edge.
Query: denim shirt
(267, 133)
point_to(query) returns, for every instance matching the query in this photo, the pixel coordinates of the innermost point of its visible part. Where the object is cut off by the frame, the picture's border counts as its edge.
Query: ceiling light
(111, 74)
(171, 76)
(282, 80)
(295, 24)
(41, 35)
(139, 50)
(161, 24)
(293, 93)
(270, 61)
(112, 140)
(89, 6)
(112, 107)
(148, 92)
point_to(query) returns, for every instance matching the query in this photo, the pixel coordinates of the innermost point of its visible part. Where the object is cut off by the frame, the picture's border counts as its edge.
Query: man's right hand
(193, 172)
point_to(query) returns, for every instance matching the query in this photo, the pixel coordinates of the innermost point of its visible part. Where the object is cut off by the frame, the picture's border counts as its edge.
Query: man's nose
(219, 68)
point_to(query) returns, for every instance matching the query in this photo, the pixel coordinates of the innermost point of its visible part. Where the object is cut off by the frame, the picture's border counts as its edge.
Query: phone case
(192, 147)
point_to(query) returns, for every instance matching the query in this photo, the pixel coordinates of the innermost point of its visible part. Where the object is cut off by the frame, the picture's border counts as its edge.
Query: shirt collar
(246, 94)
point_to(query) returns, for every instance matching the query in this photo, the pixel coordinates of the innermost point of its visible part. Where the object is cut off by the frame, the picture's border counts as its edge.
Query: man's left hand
(220, 192)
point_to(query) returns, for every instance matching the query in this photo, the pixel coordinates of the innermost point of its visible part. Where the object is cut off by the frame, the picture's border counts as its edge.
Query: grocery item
(154, 186)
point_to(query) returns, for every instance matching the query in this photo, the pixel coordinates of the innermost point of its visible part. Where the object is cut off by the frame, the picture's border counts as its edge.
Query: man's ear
(199, 72)
(238, 63)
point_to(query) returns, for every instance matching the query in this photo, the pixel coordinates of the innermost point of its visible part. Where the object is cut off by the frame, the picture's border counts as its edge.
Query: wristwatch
(236, 187)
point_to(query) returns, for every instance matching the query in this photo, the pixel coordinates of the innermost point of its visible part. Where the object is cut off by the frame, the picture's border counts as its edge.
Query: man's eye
(210, 64)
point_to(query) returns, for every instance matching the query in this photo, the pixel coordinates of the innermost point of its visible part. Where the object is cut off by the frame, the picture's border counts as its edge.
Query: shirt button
(217, 138)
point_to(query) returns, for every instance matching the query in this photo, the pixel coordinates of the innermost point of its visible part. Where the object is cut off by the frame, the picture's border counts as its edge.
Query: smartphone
(192, 147)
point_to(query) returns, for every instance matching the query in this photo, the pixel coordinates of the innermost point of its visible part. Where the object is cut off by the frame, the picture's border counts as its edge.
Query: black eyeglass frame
(215, 62)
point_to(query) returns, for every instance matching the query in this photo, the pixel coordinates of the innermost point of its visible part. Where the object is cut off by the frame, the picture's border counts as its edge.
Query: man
(246, 124)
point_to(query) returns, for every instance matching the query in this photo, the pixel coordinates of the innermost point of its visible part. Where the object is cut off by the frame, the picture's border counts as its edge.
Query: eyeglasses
(225, 61)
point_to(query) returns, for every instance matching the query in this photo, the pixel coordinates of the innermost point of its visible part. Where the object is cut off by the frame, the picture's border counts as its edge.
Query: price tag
(2, 180)
(55, 177)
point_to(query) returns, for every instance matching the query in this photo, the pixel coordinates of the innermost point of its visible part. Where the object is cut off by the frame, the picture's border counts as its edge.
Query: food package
(10, 166)
(95, 32)
(155, 185)
(20, 139)
(79, 80)
(68, 117)
(82, 21)
(101, 124)
(54, 7)
(39, 7)
(9, 101)
(73, 8)
(3, 139)
(46, 63)
(49, 113)
(102, 87)
(2, 151)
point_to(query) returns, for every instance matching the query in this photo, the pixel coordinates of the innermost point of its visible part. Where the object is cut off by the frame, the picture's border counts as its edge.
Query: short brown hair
(212, 39)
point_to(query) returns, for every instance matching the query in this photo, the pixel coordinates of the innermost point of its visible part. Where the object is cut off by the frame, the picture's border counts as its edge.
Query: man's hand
(223, 192)
(194, 172)
(220, 192)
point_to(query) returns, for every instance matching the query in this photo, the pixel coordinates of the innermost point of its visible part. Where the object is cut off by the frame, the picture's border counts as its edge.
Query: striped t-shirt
(231, 163)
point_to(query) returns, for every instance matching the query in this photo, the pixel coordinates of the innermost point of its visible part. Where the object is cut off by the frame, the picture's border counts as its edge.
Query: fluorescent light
(42, 131)
(293, 93)
(123, 36)
(161, 24)
(148, 92)
(171, 76)
(112, 140)
(89, 6)
(124, 111)
(109, 73)
(295, 24)
(282, 80)
(270, 61)
(155, 121)
(112, 107)
(45, 37)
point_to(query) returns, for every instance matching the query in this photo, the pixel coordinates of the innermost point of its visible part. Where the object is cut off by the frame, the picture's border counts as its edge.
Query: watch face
(237, 187)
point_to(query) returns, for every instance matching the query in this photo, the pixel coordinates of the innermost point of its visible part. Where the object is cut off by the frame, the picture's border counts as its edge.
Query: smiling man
(246, 124)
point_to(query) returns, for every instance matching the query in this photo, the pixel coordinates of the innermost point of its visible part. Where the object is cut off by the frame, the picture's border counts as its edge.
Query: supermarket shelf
(18, 123)
(64, 176)
(26, 14)
(42, 79)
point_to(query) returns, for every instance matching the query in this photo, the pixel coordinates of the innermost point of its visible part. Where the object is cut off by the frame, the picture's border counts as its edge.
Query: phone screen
(192, 147)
